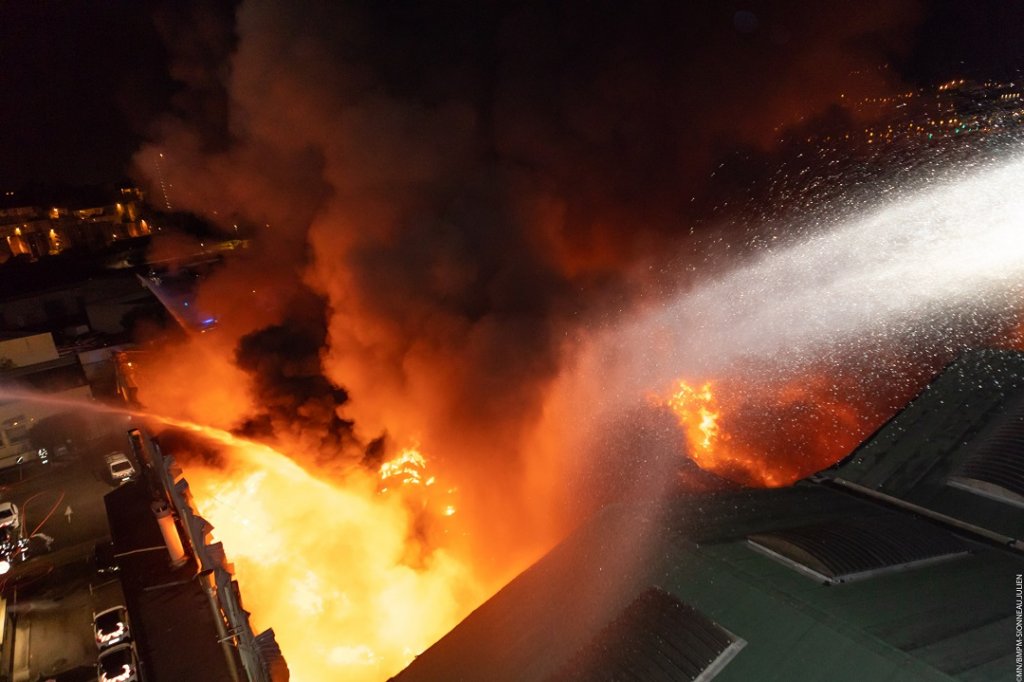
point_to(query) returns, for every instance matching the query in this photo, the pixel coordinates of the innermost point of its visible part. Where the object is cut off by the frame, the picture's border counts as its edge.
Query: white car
(9, 516)
(120, 467)
(110, 627)
(118, 664)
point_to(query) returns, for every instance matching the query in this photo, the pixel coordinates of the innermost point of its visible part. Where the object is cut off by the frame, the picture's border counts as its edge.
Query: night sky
(84, 81)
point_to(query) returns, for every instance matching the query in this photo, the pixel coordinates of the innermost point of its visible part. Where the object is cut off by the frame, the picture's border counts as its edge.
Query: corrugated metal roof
(270, 652)
(849, 549)
(963, 427)
(944, 621)
(657, 637)
(996, 468)
(695, 550)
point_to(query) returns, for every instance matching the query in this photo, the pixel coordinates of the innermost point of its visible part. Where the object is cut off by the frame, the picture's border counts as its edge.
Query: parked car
(110, 627)
(119, 467)
(9, 516)
(118, 664)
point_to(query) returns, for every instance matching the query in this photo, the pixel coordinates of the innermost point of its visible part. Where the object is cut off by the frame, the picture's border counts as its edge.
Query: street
(52, 595)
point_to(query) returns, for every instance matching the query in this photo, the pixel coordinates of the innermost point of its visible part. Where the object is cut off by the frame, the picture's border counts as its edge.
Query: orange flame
(693, 407)
(356, 570)
(407, 468)
(771, 432)
(407, 471)
(328, 564)
(699, 413)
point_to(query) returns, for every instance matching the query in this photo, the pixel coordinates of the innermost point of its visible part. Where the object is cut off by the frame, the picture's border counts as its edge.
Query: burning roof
(737, 566)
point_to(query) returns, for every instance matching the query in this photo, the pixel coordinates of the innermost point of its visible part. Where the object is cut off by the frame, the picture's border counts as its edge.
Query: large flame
(407, 468)
(698, 413)
(696, 410)
(345, 575)
(358, 565)
(770, 433)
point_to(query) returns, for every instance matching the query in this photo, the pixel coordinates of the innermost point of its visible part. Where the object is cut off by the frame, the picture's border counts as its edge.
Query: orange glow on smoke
(347, 576)
(1015, 339)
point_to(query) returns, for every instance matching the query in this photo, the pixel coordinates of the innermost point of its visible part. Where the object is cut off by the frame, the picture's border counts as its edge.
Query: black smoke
(296, 401)
(472, 186)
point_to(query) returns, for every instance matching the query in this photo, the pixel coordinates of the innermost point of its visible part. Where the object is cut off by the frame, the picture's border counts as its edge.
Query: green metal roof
(944, 620)
(918, 453)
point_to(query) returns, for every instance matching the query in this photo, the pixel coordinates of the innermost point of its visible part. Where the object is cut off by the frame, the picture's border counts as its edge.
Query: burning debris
(405, 469)
(768, 434)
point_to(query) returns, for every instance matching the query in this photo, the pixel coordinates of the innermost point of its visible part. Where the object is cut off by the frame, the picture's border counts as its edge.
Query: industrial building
(902, 562)
(33, 363)
(178, 585)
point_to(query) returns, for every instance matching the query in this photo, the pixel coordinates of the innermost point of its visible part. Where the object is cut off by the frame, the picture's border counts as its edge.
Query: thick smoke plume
(295, 401)
(477, 234)
(470, 185)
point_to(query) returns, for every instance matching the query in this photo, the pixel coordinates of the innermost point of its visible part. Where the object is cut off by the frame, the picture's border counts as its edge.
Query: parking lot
(52, 594)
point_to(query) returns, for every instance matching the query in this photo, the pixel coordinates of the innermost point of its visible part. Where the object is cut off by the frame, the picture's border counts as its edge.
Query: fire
(407, 468)
(407, 472)
(693, 407)
(329, 565)
(772, 433)
(357, 569)
(698, 413)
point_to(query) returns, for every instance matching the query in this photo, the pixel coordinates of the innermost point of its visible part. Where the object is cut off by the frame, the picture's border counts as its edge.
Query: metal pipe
(226, 640)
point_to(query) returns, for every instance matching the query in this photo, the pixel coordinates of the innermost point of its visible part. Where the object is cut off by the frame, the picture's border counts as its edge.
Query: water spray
(930, 266)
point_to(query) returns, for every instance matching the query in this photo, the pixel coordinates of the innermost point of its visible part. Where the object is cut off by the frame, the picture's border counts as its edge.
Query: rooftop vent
(996, 469)
(656, 638)
(845, 550)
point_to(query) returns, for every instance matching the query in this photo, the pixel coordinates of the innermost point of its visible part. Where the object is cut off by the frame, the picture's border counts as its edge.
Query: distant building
(96, 304)
(903, 562)
(35, 231)
(31, 364)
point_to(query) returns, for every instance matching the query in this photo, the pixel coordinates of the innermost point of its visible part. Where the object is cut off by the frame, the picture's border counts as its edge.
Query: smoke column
(468, 200)
(469, 189)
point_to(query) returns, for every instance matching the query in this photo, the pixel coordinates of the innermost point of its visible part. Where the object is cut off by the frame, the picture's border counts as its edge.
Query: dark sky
(83, 80)
(80, 80)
